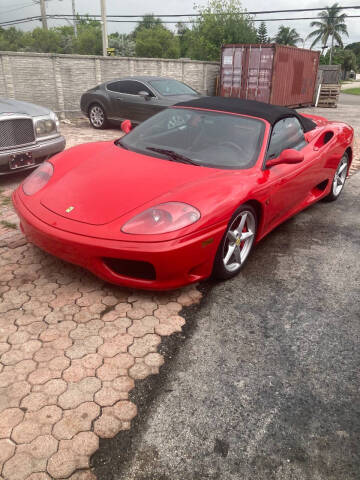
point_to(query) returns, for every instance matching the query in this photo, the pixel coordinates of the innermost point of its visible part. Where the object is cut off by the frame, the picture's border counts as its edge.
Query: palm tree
(331, 24)
(287, 36)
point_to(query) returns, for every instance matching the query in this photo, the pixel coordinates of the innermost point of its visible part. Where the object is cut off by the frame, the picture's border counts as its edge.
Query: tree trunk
(331, 49)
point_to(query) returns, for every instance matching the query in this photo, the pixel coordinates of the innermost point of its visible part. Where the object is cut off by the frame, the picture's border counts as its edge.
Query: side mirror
(126, 126)
(289, 156)
(145, 95)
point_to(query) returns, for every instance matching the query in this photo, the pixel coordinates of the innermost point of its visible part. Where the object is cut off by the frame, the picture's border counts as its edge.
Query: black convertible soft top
(271, 113)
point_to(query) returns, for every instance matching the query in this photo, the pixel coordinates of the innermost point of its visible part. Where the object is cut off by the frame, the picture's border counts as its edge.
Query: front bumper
(40, 151)
(177, 262)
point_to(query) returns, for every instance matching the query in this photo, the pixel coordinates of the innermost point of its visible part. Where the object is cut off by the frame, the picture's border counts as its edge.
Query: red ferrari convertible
(186, 194)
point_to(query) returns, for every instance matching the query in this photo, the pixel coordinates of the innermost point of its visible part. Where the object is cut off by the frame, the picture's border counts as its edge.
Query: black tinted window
(128, 86)
(286, 133)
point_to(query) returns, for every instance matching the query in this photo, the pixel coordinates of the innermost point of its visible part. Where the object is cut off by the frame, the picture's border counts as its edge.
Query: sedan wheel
(339, 179)
(97, 116)
(236, 244)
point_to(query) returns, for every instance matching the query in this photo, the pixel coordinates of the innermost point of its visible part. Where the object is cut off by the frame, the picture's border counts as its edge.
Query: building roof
(271, 113)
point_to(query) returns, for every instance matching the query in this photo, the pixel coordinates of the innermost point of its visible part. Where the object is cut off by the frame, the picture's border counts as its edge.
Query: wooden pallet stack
(329, 95)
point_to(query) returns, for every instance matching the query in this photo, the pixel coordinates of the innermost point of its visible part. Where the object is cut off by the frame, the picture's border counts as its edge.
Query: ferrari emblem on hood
(69, 209)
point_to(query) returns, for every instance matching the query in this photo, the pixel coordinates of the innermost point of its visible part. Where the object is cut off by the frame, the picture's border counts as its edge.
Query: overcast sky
(16, 9)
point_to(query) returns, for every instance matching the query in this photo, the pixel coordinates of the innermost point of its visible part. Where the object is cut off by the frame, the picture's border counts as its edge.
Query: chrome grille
(15, 132)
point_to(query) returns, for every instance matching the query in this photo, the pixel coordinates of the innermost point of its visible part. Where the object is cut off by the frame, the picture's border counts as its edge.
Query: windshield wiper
(172, 155)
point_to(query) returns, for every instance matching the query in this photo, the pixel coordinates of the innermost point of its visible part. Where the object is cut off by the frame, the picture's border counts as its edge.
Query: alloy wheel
(340, 177)
(97, 116)
(239, 239)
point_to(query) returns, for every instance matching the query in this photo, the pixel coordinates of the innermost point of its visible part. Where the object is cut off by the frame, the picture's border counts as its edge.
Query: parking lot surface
(266, 385)
(74, 351)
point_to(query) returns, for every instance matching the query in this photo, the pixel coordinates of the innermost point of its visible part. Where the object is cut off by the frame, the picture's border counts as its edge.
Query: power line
(20, 7)
(70, 17)
(257, 12)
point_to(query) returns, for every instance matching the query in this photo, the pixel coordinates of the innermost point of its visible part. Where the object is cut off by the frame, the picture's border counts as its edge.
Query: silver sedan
(29, 134)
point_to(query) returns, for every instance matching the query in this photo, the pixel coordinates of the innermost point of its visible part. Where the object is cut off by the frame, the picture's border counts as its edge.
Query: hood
(15, 106)
(104, 185)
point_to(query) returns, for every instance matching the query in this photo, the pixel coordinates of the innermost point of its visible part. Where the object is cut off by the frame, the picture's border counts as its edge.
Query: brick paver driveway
(71, 349)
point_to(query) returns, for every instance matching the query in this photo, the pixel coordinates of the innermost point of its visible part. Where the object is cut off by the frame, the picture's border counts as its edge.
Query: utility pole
(104, 27)
(43, 14)
(74, 15)
(331, 48)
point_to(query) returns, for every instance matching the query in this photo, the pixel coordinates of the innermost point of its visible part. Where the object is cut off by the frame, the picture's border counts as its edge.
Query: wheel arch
(259, 209)
(96, 101)
(349, 153)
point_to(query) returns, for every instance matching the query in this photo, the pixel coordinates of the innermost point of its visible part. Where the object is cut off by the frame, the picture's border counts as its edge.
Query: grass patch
(352, 91)
(8, 224)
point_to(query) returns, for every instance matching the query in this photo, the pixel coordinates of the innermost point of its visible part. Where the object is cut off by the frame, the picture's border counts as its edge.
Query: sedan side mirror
(126, 126)
(289, 156)
(144, 94)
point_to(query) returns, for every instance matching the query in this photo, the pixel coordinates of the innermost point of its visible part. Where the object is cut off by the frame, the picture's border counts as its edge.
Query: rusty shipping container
(270, 73)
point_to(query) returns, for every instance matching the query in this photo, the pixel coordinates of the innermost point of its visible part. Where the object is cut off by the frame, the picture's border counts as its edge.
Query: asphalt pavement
(264, 382)
(348, 99)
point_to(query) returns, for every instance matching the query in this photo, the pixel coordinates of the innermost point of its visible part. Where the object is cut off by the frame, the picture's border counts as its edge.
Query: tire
(337, 185)
(97, 116)
(227, 264)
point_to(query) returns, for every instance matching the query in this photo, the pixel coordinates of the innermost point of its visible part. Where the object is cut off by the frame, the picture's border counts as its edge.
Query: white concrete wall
(57, 81)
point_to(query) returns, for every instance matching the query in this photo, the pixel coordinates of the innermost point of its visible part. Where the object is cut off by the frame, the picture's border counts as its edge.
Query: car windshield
(172, 87)
(199, 137)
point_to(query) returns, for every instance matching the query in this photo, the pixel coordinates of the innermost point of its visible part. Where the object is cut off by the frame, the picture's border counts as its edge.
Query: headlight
(54, 117)
(38, 178)
(162, 218)
(47, 126)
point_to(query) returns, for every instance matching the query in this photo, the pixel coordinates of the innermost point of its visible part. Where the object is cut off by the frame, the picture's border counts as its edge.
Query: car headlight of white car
(47, 125)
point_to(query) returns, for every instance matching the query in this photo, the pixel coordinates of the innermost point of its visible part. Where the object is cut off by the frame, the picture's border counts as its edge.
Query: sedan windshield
(172, 87)
(199, 137)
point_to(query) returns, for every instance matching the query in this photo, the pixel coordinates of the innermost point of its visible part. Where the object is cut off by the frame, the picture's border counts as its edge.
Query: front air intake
(131, 268)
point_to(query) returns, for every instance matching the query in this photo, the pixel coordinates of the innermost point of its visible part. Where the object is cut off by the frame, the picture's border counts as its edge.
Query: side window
(130, 87)
(114, 87)
(286, 133)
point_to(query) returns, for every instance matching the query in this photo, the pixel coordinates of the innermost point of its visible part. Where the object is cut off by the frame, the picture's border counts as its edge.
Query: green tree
(344, 57)
(157, 42)
(287, 36)
(55, 40)
(262, 34)
(124, 44)
(11, 39)
(331, 24)
(44, 41)
(355, 47)
(149, 21)
(89, 39)
(220, 22)
(185, 36)
(66, 39)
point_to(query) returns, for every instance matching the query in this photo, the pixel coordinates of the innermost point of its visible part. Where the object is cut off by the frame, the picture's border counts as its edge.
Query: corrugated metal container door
(294, 76)
(258, 74)
(274, 74)
(232, 61)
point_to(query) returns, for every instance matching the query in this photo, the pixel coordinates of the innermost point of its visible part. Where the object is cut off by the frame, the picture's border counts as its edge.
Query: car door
(130, 104)
(114, 94)
(289, 184)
